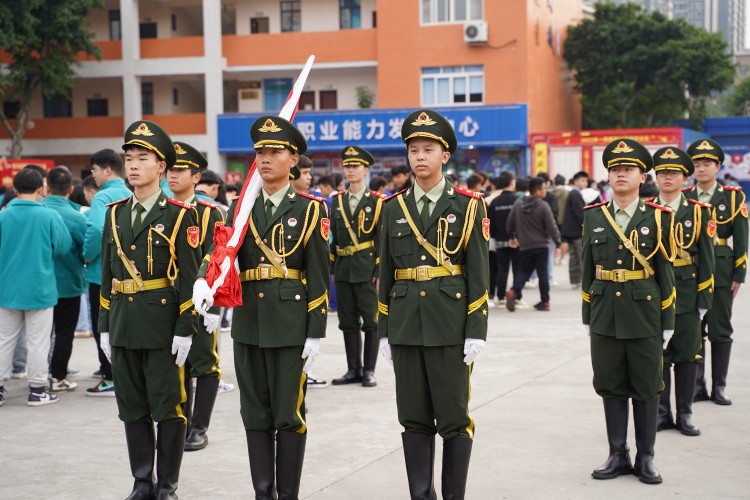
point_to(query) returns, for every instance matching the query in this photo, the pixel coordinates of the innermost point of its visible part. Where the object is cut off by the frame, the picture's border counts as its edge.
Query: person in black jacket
(498, 211)
(572, 226)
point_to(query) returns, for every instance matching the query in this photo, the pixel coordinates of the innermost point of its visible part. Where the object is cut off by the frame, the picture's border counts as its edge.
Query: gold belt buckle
(422, 273)
(263, 273)
(618, 275)
(348, 251)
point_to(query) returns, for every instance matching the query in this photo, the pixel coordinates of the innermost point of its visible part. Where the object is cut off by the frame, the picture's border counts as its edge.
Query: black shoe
(206, 389)
(684, 387)
(618, 462)
(419, 454)
(350, 377)
(510, 300)
(645, 414)
(720, 354)
(370, 358)
(368, 379)
(260, 450)
(542, 306)
(140, 439)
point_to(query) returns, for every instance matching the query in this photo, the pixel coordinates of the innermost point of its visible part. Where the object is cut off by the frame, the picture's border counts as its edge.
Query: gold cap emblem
(142, 130)
(669, 155)
(423, 119)
(269, 126)
(705, 146)
(179, 149)
(351, 151)
(622, 148)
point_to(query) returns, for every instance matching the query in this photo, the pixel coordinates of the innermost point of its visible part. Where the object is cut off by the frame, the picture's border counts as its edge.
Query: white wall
(109, 88)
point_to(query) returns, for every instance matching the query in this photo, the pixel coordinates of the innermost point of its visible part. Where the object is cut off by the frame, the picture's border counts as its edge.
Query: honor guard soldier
(628, 307)
(730, 211)
(355, 220)
(150, 255)
(203, 358)
(283, 267)
(694, 230)
(432, 304)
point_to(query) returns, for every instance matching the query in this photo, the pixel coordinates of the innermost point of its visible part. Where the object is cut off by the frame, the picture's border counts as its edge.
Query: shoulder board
(700, 203)
(396, 194)
(207, 204)
(659, 207)
(650, 200)
(378, 195)
(311, 197)
(117, 202)
(179, 203)
(470, 193)
(595, 205)
(337, 193)
(688, 189)
(732, 188)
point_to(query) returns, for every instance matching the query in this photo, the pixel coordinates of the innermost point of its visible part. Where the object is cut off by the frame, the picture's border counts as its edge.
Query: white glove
(702, 312)
(667, 336)
(105, 345)
(181, 347)
(211, 322)
(310, 352)
(203, 297)
(472, 348)
(587, 329)
(385, 350)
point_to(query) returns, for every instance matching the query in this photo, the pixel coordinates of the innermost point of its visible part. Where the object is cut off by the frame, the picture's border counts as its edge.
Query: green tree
(365, 97)
(635, 69)
(42, 39)
(739, 99)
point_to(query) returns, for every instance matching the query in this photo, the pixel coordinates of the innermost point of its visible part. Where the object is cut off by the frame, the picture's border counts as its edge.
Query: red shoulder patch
(207, 204)
(732, 188)
(179, 203)
(470, 193)
(336, 193)
(595, 205)
(117, 202)
(700, 203)
(378, 195)
(312, 197)
(651, 200)
(387, 198)
(659, 207)
(688, 189)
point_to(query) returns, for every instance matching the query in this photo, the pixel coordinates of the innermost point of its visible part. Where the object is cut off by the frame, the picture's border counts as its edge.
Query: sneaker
(38, 396)
(18, 375)
(510, 300)
(542, 306)
(224, 387)
(554, 283)
(63, 385)
(315, 383)
(521, 304)
(2, 395)
(490, 304)
(105, 388)
(532, 283)
(500, 302)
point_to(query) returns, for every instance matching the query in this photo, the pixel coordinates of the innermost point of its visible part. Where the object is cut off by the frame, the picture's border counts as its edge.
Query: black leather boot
(290, 454)
(205, 396)
(720, 353)
(260, 450)
(618, 463)
(370, 358)
(170, 444)
(353, 346)
(684, 388)
(419, 454)
(701, 391)
(665, 409)
(456, 455)
(140, 439)
(645, 414)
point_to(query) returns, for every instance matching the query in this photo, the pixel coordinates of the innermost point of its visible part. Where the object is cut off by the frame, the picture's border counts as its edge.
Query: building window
(175, 96)
(451, 11)
(58, 106)
(291, 16)
(452, 85)
(328, 99)
(97, 107)
(258, 25)
(350, 14)
(114, 25)
(148, 30)
(147, 98)
(275, 92)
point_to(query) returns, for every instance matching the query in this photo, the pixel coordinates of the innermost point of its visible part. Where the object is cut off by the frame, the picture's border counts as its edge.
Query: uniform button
(619, 262)
(693, 275)
(424, 257)
(619, 247)
(394, 294)
(297, 297)
(132, 247)
(399, 234)
(289, 237)
(648, 297)
(618, 293)
(163, 301)
(130, 299)
(643, 244)
(450, 234)
(265, 241)
(458, 295)
(596, 241)
(423, 293)
(262, 259)
(261, 295)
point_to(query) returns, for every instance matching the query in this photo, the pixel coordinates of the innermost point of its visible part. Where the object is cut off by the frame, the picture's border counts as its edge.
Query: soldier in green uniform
(730, 212)
(150, 256)
(283, 264)
(432, 304)
(355, 217)
(628, 307)
(203, 359)
(694, 229)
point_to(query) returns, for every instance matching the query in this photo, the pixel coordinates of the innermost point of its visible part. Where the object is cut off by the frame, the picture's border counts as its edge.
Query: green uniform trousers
(149, 385)
(719, 317)
(432, 390)
(355, 300)
(203, 358)
(627, 368)
(686, 341)
(272, 387)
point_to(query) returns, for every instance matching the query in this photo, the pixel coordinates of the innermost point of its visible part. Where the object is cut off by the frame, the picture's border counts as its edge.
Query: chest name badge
(401, 221)
(644, 231)
(292, 222)
(451, 218)
(688, 223)
(160, 227)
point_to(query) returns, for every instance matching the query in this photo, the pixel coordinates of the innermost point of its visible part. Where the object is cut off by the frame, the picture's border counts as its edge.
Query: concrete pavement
(540, 427)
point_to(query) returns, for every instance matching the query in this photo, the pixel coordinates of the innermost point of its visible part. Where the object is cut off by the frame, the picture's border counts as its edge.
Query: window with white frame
(452, 85)
(451, 11)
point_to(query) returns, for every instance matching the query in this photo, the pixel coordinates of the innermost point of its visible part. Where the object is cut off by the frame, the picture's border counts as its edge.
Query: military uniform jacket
(284, 312)
(361, 266)
(444, 310)
(730, 211)
(637, 308)
(149, 319)
(209, 215)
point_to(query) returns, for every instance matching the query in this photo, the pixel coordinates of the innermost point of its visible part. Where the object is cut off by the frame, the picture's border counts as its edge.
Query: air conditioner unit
(475, 32)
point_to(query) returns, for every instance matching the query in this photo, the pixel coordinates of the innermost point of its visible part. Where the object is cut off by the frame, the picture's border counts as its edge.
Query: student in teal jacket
(31, 235)
(71, 279)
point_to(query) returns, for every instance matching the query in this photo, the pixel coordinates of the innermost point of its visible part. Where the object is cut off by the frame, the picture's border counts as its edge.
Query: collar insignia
(269, 126)
(142, 130)
(423, 119)
(163, 203)
(622, 148)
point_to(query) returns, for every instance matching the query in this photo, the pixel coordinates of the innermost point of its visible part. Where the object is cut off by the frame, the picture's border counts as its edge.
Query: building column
(131, 54)
(214, 81)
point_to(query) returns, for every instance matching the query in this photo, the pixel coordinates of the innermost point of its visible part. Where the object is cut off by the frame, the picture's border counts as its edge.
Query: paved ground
(540, 428)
